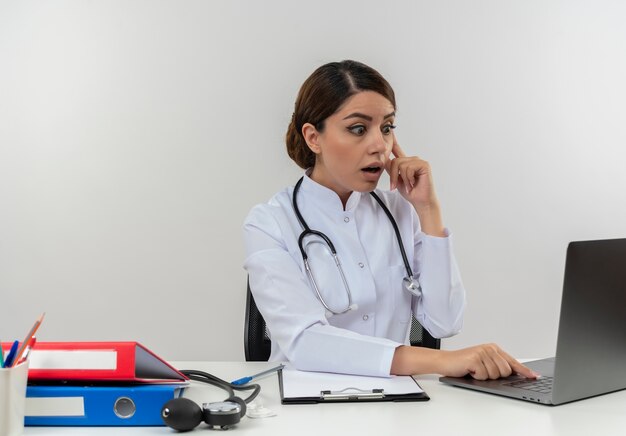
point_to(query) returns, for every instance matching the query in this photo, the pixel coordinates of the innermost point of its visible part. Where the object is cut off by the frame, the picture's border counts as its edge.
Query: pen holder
(13, 399)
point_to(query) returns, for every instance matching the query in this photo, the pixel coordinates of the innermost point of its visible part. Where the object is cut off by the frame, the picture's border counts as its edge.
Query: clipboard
(305, 387)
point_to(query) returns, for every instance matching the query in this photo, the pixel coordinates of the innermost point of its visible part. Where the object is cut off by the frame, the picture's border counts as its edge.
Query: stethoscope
(410, 283)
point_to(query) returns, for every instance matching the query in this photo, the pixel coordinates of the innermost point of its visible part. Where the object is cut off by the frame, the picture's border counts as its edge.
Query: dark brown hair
(322, 94)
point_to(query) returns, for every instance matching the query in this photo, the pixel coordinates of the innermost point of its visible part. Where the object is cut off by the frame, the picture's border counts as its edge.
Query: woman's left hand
(412, 177)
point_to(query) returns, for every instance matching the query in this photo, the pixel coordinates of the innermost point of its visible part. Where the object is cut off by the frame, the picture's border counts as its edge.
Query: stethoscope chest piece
(413, 286)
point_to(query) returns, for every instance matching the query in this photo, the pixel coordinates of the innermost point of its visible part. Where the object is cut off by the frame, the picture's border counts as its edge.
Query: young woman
(351, 313)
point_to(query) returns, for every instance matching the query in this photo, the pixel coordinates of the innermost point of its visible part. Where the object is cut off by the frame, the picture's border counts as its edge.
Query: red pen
(29, 337)
(27, 350)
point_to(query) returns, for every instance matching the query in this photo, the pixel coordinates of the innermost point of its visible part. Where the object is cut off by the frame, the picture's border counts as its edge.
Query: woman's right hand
(482, 362)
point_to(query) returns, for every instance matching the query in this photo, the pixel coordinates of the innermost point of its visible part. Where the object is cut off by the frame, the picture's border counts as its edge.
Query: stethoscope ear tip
(354, 307)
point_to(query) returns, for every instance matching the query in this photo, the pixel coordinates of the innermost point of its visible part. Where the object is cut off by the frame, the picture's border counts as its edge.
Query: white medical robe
(361, 341)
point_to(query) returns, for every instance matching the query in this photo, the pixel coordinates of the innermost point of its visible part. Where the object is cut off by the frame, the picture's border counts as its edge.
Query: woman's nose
(378, 144)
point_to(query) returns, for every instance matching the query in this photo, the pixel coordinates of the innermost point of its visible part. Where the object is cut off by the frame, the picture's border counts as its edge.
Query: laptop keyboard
(542, 385)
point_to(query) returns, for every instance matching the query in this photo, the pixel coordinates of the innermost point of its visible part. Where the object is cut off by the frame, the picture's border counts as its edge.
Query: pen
(9, 360)
(29, 347)
(29, 336)
(244, 380)
(1, 355)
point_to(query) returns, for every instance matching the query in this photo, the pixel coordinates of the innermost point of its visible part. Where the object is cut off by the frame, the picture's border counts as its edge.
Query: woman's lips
(372, 173)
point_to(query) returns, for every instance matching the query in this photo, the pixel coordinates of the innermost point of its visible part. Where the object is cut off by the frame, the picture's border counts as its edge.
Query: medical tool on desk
(410, 282)
(183, 414)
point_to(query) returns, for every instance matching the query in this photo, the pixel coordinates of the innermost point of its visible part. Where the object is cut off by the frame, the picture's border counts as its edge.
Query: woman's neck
(323, 179)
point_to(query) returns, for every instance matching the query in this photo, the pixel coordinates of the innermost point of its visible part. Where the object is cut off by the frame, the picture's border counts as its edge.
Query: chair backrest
(419, 336)
(258, 345)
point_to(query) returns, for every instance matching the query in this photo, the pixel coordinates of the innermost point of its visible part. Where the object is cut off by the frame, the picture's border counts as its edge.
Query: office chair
(258, 345)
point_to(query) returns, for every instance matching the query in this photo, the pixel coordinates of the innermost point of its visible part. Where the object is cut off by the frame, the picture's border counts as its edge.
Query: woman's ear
(311, 137)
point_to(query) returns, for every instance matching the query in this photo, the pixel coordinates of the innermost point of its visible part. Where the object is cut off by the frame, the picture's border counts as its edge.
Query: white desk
(450, 411)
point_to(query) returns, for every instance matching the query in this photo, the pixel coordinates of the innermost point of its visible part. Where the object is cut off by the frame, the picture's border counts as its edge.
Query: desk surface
(451, 411)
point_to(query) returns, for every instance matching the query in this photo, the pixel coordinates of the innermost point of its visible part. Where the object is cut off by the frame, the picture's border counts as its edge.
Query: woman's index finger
(396, 150)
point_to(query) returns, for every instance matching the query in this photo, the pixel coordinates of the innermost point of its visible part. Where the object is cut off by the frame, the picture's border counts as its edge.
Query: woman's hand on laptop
(482, 362)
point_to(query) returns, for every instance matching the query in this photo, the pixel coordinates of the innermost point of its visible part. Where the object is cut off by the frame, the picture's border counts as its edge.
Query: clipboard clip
(353, 394)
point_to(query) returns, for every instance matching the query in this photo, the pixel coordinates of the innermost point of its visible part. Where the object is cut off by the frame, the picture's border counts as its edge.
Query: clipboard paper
(304, 387)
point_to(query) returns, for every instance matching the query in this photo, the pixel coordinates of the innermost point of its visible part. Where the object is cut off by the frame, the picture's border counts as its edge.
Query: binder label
(54, 406)
(73, 359)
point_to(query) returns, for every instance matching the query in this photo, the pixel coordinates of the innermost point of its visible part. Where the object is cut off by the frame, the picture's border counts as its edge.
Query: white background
(136, 135)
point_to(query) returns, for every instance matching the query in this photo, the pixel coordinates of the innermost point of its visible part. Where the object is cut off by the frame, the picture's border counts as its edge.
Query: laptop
(591, 344)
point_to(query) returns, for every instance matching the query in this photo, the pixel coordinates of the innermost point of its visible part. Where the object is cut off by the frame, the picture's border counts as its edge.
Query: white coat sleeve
(441, 306)
(294, 316)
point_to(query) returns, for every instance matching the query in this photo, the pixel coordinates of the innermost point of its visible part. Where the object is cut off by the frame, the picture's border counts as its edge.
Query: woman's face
(354, 145)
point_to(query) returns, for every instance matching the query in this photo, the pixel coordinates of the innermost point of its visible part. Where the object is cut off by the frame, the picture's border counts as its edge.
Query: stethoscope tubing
(407, 265)
(307, 231)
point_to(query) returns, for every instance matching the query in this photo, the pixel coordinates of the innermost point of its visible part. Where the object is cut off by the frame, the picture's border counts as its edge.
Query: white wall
(136, 135)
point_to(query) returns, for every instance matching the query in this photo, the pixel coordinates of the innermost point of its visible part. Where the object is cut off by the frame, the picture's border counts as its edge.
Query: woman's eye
(387, 128)
(357, 130)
